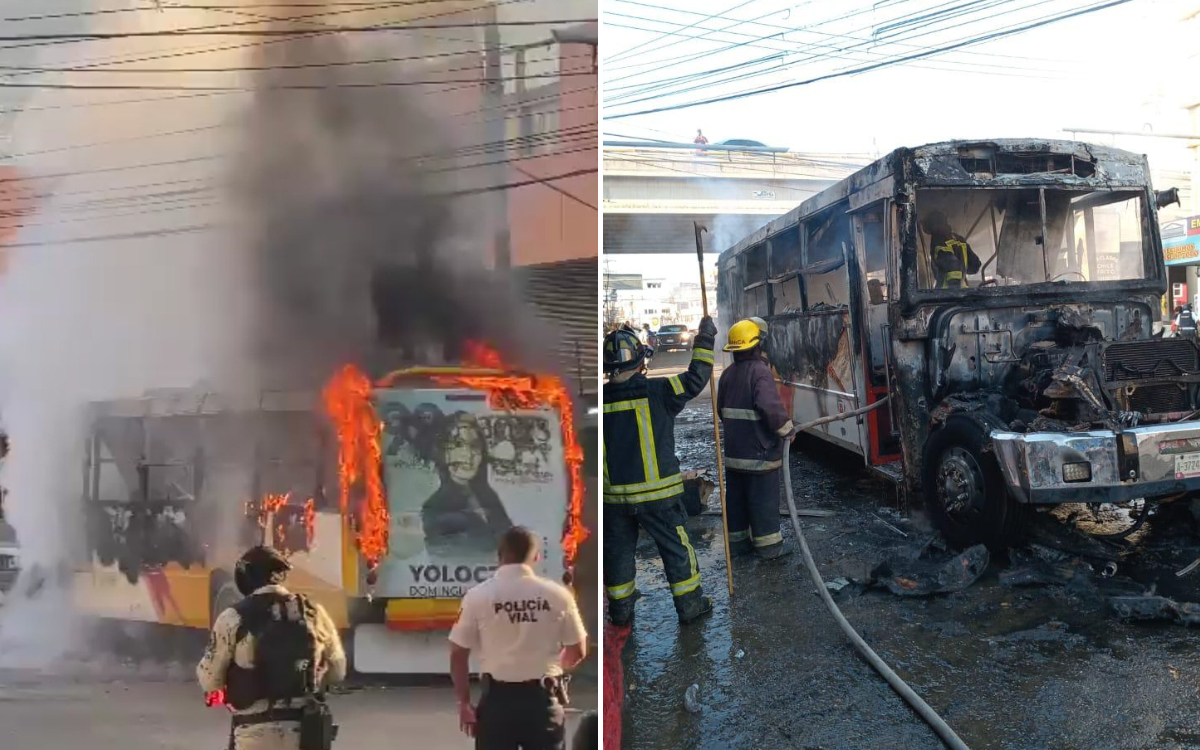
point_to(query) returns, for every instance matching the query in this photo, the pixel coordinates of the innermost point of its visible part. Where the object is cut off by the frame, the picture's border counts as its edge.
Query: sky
(1129, 67)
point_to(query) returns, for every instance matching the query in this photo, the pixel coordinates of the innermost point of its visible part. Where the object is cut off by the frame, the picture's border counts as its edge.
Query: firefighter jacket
(641, 470)
(753, 415)
(224, 649)
(953, 259)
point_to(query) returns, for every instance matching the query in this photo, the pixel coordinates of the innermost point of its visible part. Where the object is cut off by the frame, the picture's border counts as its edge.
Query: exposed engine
(1067, 368)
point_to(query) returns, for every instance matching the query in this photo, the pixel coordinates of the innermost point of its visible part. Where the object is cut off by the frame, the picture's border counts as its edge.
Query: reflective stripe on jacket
(640, 465)
(753, 415)
(952, 257)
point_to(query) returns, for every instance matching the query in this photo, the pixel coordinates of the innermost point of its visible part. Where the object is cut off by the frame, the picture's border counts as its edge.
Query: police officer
(228, 664)
(526, 630)
(953, 259)
(756, 423)
(643, 486)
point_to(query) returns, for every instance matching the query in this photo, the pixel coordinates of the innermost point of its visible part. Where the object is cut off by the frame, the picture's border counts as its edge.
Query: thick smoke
(345, 218)
(364, 218)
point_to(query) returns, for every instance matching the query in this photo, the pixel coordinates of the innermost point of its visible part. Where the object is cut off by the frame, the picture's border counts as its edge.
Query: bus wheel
(965, 492)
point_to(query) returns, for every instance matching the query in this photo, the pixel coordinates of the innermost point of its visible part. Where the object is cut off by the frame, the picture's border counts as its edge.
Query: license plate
(1187, 465)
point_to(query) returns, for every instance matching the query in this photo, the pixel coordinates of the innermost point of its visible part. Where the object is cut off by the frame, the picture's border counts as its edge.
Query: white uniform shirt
(518, 623)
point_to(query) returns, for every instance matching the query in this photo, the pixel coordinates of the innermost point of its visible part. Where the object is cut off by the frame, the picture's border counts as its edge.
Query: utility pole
(497, 132)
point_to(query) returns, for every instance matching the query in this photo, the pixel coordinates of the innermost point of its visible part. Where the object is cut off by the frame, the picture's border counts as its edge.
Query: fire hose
(935, 722)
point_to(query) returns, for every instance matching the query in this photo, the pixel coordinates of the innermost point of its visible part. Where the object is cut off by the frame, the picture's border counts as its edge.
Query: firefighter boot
(775, 551)
(694, 609)
(620, 611)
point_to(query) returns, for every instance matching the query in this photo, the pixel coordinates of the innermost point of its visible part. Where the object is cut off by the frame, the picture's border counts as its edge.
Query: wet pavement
(1011, 668)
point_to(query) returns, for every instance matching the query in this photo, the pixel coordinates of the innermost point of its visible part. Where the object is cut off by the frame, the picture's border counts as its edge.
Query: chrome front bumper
(1151, 461)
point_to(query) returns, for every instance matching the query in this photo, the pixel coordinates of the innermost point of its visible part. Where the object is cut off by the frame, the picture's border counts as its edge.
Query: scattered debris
(1195, 564)
(740, 653)
(1151, 607)
(916, 577)
(948, 629)
(691, 699)
(1034, 568)
(1050, 632)
(837, 584)
(697, 486)
(890, 526)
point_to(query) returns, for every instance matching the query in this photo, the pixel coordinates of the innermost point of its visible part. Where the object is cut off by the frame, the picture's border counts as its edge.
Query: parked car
(674, 337)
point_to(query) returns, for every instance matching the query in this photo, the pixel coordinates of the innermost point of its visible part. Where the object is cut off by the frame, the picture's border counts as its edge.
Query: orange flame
(531, 392)
(347, 399)
(273, 503)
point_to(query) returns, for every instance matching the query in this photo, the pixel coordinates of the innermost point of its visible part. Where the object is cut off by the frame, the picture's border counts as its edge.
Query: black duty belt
(268, 717)
(556, 686)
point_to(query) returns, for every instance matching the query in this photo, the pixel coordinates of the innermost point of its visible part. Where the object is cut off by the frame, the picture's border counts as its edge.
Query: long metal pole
(712, 389)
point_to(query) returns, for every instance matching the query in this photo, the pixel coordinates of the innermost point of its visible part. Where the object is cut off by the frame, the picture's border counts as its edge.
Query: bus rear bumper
(380, 650)
(1100, 466)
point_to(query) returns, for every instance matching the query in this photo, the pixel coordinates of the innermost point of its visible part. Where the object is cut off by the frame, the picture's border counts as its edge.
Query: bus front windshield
(977, 237)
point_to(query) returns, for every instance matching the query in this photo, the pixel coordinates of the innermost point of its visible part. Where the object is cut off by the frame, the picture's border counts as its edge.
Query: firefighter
(953, 259)
(756, 424)
(643, 487)
(526, 630)
(252, 655)
(1185, 323)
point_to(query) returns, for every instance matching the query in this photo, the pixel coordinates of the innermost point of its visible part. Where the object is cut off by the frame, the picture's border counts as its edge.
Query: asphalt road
(1010, 668)
(166, 712)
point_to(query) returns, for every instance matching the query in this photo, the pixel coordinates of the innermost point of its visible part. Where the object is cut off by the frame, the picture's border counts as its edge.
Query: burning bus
(387, 495)
(1024, 375)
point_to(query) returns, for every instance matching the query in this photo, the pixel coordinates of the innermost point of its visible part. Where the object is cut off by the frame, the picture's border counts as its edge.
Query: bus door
(873, 251)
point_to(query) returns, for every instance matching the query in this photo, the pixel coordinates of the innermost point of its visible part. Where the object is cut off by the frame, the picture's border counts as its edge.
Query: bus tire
(965, 492)
(223, 594)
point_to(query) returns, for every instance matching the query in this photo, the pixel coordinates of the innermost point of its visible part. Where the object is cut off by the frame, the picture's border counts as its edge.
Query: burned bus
(1034, 377)
(388, 496)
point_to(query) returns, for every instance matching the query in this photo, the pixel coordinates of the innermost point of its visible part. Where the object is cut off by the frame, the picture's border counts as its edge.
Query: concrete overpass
(653, 193)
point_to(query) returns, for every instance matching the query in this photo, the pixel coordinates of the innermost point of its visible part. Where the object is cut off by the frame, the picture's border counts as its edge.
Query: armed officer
(953, 259)
(271, 655)
(527, 631)
(643, 486)
(754, 416)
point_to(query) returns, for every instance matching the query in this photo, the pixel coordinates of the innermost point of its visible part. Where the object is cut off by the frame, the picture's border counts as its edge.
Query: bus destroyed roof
(165, 402)
(1020, 159)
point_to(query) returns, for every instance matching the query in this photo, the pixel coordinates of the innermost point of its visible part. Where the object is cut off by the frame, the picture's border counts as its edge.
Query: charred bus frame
(1040, 382)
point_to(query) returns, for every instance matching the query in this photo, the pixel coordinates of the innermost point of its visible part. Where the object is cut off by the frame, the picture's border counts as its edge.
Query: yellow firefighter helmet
(743, 336)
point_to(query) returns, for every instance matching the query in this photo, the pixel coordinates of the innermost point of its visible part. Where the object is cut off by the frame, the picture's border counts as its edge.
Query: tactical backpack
(285, 650)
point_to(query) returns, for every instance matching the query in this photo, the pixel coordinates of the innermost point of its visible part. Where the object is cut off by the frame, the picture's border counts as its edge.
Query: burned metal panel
(812, 348)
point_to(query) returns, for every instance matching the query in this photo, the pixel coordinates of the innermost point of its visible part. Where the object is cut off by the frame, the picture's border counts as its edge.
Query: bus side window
(785, 272)
(826, 280)
(754, 282)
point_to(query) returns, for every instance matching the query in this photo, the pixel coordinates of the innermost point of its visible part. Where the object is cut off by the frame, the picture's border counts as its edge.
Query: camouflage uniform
(223, 648)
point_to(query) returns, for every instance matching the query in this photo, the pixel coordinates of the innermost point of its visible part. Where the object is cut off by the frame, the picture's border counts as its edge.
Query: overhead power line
(818, 51)
(659, 37)
(360, 6)
(99, 35)
(282, 86)
(292, 66)
(209, 227)
(874, 66)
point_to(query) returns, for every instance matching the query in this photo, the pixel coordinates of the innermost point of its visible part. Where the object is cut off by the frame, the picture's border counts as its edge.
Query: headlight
(1077, 472)
(684, 336)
